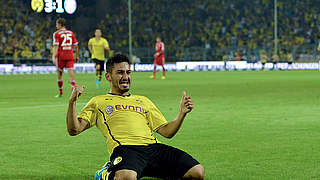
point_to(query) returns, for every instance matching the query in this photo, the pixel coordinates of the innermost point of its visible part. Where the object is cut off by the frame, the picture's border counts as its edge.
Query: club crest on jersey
(109, 109)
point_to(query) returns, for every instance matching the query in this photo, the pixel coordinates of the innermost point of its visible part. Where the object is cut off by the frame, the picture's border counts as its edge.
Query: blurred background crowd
(191, 30)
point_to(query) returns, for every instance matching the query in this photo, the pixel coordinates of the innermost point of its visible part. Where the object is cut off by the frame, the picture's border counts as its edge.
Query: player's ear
(108, 77)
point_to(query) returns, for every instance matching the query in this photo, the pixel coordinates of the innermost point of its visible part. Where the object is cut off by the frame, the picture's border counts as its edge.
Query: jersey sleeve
(74, 40)
(89, 112)
(90, 42)
(155, 117)
(55, 39)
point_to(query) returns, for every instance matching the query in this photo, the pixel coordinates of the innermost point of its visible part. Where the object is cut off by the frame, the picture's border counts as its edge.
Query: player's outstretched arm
(170, 129)
(75, 125)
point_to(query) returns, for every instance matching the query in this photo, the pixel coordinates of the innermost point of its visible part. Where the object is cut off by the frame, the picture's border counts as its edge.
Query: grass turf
(245, 125)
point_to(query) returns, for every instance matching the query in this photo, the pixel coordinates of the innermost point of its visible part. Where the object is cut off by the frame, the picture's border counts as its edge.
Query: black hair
(117, 58)
(62, 22)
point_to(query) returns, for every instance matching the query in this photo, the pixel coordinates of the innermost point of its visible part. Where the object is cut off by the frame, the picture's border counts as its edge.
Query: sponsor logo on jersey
(129, 107)
(110, 109)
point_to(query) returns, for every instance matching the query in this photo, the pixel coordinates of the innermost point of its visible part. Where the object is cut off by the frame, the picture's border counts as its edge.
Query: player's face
(58, 26)
(120, 78)
(98, 33)
(158, 39)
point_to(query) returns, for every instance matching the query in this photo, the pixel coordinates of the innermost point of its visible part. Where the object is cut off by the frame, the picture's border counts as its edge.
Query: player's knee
(199, 172)
(125, 175)
(196, 172)
(98, 67)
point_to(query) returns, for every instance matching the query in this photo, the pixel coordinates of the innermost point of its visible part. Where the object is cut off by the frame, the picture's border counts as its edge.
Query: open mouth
(124, 83)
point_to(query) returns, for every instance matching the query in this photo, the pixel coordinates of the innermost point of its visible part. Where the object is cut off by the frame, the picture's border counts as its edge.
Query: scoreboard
(54, 6)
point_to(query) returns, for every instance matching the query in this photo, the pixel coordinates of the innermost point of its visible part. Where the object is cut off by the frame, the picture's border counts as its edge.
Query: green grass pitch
(245, 125)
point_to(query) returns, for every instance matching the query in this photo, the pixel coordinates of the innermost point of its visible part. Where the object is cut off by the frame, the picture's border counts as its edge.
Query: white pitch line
(35, 107)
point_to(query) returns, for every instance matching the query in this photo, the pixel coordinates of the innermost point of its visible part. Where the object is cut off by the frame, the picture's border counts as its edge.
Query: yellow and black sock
(98, 75)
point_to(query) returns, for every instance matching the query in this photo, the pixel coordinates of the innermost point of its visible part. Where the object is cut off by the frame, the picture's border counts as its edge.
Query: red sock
(60, 83)
(163, 71)
(154, 71)
(73, 83)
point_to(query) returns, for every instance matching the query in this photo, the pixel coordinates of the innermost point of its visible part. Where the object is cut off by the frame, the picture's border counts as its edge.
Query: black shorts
(155, 160)
(101, 63)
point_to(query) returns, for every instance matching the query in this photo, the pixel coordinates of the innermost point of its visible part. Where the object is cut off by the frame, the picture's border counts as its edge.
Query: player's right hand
(77, 91)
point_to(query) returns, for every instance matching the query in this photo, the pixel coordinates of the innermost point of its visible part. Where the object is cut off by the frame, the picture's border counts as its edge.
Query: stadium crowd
(189, 28)
(22, 35)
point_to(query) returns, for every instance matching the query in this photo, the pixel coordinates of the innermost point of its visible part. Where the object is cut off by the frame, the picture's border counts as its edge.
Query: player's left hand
(76, 93)
(186, 104)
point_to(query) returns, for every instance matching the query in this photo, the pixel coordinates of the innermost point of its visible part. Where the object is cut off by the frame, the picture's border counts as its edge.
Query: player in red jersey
(159, 58)
(63, 42)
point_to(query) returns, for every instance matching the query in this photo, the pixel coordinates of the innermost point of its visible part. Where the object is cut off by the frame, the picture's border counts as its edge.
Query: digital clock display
(57, 6)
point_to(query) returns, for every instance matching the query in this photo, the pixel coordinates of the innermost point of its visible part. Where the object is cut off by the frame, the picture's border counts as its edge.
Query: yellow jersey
(124, 120)
(264, 58)
(98, 48)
